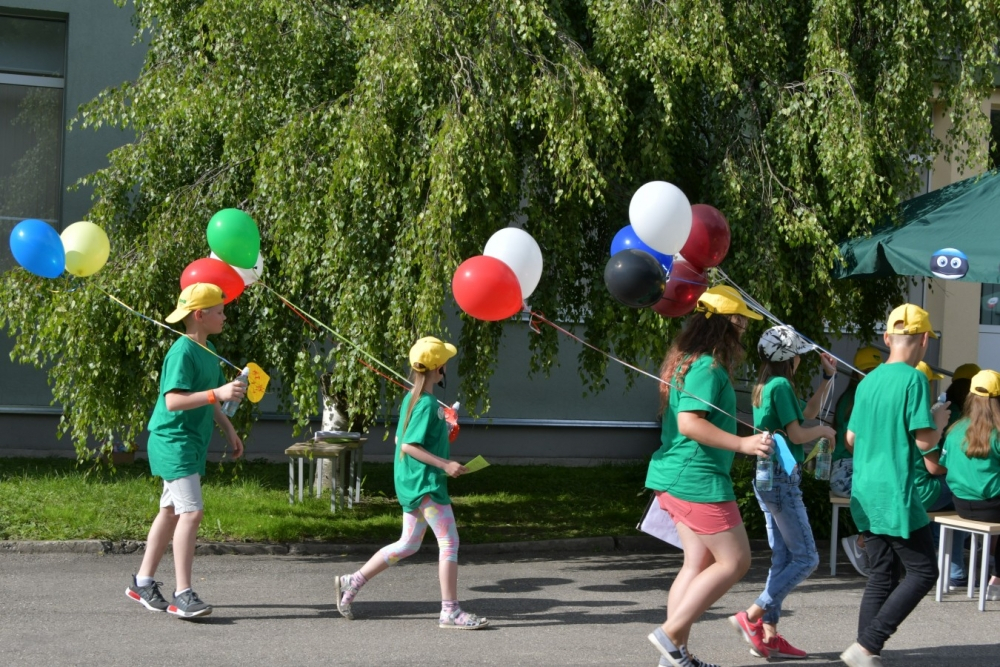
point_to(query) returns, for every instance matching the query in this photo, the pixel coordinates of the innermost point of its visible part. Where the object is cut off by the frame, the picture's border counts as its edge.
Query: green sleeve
(703, 382)
(918, 401)
(786, 404)
(419, 423)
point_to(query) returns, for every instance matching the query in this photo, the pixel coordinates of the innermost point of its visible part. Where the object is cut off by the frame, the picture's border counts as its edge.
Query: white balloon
(661, 216)
(249, 276)
(515, 248)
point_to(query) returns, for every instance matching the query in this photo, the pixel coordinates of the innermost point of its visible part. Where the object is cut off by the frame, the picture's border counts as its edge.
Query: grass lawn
(53, 499)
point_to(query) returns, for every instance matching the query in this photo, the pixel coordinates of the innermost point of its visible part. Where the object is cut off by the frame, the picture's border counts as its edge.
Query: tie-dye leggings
(442, 522)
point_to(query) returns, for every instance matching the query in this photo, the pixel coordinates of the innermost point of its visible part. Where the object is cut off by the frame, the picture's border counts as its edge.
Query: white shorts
(183, 493)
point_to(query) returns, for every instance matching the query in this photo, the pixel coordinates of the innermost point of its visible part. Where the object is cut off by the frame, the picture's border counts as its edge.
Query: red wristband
(211, 397)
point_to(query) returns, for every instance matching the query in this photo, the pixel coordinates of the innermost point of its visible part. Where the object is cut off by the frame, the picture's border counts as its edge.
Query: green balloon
(233, 236)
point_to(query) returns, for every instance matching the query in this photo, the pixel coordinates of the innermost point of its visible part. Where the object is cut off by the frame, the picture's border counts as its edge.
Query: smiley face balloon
(949, 264)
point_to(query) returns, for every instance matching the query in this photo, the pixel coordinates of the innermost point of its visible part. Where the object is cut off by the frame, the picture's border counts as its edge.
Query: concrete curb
(607, 544)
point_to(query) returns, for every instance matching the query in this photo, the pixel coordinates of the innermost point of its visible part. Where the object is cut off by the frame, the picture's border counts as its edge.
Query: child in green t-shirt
(972, 457)
(842, 468)
(776, 408)
(891, 426)
(690, 471)
(192, 389)
(421, 472)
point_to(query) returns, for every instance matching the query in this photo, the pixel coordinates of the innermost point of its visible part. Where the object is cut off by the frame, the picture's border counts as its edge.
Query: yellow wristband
(211, 397)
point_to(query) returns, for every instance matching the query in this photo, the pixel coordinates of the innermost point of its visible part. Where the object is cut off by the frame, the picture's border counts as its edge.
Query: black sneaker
(189, 605)
(148, 596)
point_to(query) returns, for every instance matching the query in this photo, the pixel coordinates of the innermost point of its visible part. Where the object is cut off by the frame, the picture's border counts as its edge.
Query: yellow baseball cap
(430, 353)
(909, 319)
(197, 296)
(965, 372)
(867, 358)
(929, 372)
(724, 300)
(986, 383)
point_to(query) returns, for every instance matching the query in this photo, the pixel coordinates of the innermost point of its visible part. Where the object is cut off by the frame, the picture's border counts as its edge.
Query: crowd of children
(897, 456)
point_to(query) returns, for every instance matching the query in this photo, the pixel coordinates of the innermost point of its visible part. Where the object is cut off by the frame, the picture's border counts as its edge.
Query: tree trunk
(334, 419)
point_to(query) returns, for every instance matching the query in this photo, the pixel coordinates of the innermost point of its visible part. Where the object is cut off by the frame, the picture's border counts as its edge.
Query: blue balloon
(627, 239)
(37, 247)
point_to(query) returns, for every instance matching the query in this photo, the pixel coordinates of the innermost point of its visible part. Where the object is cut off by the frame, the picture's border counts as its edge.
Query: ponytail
(419, 380)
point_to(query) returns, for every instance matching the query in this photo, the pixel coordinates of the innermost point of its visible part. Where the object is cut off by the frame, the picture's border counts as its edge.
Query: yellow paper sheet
(813, 453)
(256, 382)
(475, 464)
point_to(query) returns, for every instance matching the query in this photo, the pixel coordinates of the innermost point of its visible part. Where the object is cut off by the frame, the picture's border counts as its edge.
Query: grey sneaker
(341, 585)
(855, 656)
(857, 555)
(148, 596)
(189, 605)
(694, 661)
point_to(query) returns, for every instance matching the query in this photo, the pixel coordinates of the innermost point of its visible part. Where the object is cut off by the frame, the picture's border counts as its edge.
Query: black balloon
(635, 278)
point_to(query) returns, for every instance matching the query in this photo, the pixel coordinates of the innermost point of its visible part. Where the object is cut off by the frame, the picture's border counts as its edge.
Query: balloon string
(764, 311)
(164, 326)
(538, 317)
(303, 313)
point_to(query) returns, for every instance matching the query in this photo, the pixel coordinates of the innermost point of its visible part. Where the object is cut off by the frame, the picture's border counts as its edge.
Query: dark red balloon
(685, 285)
(214, 272)
(708, 242)
(486, 288)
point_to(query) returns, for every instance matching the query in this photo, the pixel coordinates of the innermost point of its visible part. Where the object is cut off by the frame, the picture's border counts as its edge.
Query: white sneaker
(993, 591)
(857, 555)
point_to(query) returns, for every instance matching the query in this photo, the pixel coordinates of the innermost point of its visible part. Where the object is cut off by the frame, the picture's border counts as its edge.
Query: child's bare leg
(156, 542)
(185, 536)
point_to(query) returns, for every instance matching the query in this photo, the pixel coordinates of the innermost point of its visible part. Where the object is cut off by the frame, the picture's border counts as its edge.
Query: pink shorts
(702, 518)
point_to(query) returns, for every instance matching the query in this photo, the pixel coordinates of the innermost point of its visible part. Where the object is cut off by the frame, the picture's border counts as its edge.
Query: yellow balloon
(87, 248)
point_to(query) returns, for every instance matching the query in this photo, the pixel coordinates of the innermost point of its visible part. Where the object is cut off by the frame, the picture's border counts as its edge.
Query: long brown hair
(984, 421)
(703, 333)
(768, 370)
(419, 380)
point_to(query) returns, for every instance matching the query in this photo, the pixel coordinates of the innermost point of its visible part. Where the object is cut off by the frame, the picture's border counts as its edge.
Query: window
(995, 139)
(32, 70)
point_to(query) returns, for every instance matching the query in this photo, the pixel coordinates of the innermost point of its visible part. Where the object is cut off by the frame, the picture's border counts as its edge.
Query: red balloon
(214, 272)
(708, 242)
(486, 288)
(685, 285)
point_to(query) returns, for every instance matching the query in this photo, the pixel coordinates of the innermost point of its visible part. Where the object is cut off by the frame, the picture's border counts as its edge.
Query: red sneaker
(752, 633)
(780, 648)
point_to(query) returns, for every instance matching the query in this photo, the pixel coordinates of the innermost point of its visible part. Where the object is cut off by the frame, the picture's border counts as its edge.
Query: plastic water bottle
(823, 459)
(229, 407)
(940, 402)
(763, 478)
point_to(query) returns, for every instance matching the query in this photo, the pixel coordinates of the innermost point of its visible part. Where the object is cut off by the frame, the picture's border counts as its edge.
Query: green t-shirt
(178, 440)
(682, 467)
(971, 478)
(779, 406)
(892, 402)
(840, 450)
(415, 479)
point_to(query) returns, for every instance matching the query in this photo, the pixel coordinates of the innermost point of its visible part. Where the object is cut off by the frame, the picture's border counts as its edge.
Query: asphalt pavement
(545, 609)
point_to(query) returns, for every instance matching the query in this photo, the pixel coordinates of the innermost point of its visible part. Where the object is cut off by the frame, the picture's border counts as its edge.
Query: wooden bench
(346, 457)
(949, 524)
(838, 504)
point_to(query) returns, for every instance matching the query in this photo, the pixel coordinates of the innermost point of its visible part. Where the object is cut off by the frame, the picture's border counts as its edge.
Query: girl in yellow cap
(690, 471)
(421, 472)
(972, 456)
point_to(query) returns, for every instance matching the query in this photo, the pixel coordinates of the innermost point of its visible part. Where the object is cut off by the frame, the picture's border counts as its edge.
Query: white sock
(143, 581)
(182, 592)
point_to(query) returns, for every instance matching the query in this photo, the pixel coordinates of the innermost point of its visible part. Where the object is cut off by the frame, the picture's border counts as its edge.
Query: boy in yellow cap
(891, 426)
(192, 390)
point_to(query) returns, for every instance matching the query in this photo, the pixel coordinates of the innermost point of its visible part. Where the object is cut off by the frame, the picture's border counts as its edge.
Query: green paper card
(475, 464)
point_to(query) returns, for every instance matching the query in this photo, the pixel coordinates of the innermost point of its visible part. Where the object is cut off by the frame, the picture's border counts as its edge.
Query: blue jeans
(794, 555)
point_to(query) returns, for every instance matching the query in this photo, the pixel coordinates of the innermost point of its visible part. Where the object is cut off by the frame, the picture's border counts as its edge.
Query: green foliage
(378, 144)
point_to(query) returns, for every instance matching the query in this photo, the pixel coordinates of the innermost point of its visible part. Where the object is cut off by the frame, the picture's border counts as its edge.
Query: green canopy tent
(964, 216)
